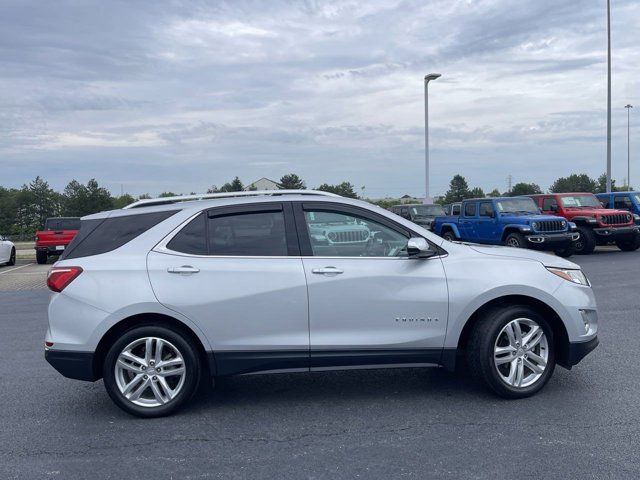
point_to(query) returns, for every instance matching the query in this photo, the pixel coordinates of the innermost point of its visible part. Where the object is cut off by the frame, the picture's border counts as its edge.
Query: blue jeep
(515, 222)
(629, 201)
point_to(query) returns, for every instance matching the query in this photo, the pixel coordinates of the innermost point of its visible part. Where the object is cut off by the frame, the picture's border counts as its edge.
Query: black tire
(480, 350)
(567, 251)
(586, 243)
(192, 364)
(515, 240)
(449, 235)
(629, 245)
(12, 257)
(41, 257)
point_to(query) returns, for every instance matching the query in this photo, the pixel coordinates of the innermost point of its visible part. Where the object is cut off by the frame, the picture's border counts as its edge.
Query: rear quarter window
(104, 235)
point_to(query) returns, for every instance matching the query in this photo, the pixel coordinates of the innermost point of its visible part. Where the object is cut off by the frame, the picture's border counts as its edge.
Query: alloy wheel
(150, 372)
(521, 353)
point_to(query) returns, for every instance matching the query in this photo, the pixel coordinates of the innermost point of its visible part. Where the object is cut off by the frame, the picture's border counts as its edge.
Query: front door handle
(327, 271)
(183, 270)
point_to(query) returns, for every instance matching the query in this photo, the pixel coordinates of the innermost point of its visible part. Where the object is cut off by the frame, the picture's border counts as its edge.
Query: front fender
(453, 227)
(515, 227)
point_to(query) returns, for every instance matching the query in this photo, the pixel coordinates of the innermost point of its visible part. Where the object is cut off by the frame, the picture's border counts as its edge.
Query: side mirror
(418, 247)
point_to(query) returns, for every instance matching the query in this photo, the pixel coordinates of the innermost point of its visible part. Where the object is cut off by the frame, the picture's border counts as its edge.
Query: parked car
(7, 251)
(596, 224)
(57, 234)
(629, 201)
(157, 297)
(419, 213)
(514, 222)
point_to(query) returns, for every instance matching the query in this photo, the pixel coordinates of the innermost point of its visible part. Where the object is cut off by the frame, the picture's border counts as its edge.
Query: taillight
(36, 238)
(60, 277)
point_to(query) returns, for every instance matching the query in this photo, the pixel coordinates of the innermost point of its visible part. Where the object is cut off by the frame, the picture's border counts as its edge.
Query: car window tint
(104, 235)
(486, 209)
(335, 234)
(622, 202)
(192, 238)
(248, 234)
(604, 201)
(548, 203)
(62, 224)
(470, 209)
(455, 210)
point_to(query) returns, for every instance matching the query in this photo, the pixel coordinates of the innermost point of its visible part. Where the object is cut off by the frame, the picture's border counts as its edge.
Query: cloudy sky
(177, 95)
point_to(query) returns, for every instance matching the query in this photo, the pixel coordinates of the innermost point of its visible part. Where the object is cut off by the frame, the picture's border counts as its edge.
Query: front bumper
(610, 234)
(576, 351)
(552, 240)
(76, 365)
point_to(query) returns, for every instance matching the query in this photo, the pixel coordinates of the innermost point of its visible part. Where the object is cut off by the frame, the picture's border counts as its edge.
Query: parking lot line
(16, 268)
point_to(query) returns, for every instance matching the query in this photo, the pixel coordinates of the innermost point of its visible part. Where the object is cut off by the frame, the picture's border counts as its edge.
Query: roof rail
(206, 196)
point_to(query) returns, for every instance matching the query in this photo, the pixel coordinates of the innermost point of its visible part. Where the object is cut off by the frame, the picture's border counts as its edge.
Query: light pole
(427, 79)
(608, 95)
(628, 107)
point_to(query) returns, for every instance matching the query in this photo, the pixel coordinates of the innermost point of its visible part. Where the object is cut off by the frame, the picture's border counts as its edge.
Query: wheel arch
(560, 335)
(156, 319)
(509, 229)
(450, 227)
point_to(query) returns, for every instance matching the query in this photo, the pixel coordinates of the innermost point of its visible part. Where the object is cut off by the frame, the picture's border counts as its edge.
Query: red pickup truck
(596, 225)
(57, 234)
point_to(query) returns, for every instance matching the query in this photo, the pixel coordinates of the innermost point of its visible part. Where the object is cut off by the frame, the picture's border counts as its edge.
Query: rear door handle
(327, 271)
(183, 270)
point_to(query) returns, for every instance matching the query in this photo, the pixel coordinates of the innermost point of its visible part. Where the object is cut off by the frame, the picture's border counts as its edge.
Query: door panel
(376, 303)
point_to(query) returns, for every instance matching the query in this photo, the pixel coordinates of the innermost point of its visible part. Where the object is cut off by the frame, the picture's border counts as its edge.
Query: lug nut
(152, 363)
(145, 377)
(154, 378)
(144, 368)
(158, 369)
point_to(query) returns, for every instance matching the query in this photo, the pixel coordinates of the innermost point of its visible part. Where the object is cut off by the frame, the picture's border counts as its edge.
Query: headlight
(563, 223)
(575, 276)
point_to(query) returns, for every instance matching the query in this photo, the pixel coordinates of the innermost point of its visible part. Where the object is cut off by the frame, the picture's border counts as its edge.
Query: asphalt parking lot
(420, 424)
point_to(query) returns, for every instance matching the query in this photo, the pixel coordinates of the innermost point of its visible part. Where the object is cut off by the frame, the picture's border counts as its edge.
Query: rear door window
(470, 209)
(260, 234)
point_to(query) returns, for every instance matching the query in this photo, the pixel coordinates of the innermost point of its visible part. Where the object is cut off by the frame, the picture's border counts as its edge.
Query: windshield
(517, 205)
(426, 211)
(580, 201)
(62, 224)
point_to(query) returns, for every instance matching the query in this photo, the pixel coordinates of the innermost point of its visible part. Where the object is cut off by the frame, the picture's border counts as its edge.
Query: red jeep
(597, 225)
(57, 234)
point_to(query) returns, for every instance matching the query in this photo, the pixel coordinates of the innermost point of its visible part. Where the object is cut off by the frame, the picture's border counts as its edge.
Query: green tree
(476, 192)
(80, 200)
(8, 209)
(458, 190)
(344, 189)
(601, 186)
(167, 194)
(123, 200)
(494, 193)
(144, 196)
(35, 203)
(234, 185)
(574, 183)
(291, 181)
(525, 189)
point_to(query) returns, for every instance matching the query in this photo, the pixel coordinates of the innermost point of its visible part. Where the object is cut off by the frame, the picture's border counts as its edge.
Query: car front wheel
(511, 351)
(151, 371)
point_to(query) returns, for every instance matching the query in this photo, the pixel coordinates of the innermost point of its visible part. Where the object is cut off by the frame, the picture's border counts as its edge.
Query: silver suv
(159, 296)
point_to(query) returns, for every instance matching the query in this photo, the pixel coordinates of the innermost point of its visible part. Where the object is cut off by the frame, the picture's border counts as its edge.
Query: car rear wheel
(629, 245)
(41, 257)
(12, 257)
(515, 240)
(511, 351)
(586, 242)
(151, 371)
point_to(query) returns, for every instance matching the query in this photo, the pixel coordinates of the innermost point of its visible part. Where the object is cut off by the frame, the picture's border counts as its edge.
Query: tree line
(24, 210)
(459, 188)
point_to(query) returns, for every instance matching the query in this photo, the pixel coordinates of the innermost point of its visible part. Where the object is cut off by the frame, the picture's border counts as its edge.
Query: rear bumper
(616, 233)
(51, 250)
(552, 240)
(76, 365)
(578, 350)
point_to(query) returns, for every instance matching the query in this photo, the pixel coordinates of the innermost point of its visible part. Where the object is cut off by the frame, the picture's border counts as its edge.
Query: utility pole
(628, 107)
(608, 95)
(427, 79)
(509, 182)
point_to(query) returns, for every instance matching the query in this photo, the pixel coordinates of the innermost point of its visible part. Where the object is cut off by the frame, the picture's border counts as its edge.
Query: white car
(155, 297)
(7, 252)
